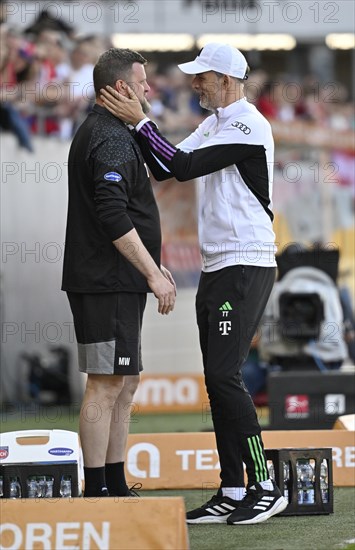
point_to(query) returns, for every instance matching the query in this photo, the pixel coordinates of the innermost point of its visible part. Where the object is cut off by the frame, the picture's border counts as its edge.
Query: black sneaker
(258, 505)
(216, 510)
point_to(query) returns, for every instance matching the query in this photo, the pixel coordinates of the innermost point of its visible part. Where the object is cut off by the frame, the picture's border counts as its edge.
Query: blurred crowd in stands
(46, 87)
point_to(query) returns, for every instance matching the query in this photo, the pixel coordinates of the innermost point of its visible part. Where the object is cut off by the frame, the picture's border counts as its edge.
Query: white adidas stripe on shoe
(258, 505)
(216, 510)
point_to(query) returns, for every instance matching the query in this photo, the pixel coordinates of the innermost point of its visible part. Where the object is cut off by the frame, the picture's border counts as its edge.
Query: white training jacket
(232, 154)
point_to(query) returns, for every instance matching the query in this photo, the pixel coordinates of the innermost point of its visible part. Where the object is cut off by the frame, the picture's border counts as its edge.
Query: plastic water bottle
(324, 486)
(308, 486)
(15, 488)
(32, 487)
(65, 487)
(49, 486)
(299, 485)
(271, 470)
(286, 471)
(306, 475)
(41, 486)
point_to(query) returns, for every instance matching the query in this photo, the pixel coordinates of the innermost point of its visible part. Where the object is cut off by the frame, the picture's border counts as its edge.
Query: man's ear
(230, 83)
(121, 87)
(226, 80)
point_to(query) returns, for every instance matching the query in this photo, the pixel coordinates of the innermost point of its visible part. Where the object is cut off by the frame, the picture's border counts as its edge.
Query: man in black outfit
(232, 154)
(112, 259)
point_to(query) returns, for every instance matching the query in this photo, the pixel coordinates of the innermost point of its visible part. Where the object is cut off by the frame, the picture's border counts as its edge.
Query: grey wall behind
(35, 314)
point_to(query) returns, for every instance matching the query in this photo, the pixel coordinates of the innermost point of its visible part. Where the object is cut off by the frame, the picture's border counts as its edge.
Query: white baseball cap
(221, 58)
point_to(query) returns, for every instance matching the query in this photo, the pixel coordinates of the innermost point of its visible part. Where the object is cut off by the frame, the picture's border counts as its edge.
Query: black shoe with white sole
(216, 510)
(258, 505)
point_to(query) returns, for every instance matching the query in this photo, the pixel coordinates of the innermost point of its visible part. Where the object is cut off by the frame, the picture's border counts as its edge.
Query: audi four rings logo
(245, 129)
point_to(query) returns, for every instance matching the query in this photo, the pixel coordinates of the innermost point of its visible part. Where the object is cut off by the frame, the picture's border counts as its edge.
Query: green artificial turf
(321, 532)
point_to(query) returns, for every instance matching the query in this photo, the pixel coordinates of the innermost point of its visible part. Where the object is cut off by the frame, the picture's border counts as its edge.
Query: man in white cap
(232, 152)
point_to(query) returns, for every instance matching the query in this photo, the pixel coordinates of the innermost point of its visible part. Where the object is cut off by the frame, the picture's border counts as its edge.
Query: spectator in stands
(265, 102)
(182, 108)
(56, 53)
(78, 89)
(16, 57)
(45, 21)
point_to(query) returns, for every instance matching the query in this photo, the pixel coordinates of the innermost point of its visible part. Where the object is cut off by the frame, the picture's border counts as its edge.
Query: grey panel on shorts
(97, 358)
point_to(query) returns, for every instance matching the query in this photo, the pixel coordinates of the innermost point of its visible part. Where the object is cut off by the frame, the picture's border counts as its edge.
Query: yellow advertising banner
(171, 393)
(190, 460)
(95, 523)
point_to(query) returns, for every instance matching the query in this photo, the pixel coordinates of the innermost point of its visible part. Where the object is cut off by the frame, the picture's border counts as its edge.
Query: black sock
(115, 479)
(95, 483)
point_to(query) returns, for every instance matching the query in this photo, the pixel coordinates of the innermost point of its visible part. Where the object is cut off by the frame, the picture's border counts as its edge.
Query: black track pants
(229, 306)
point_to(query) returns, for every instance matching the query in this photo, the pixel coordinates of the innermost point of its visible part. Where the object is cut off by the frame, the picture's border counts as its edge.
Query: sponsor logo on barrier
(79, 534)
(296, 406)
(199, 459)
(168, 461)
(344, 458)
(93, 523)
(153, 469)
(4, 452)
(189, 460)
(60, 451)
(168, 391)
(334, 403)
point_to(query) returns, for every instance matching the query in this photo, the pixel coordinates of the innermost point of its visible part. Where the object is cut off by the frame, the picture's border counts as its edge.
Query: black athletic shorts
(108, 331)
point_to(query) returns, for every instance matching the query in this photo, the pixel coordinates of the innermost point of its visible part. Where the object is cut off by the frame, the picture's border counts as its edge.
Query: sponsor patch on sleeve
(242, 127)
(113, 176)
